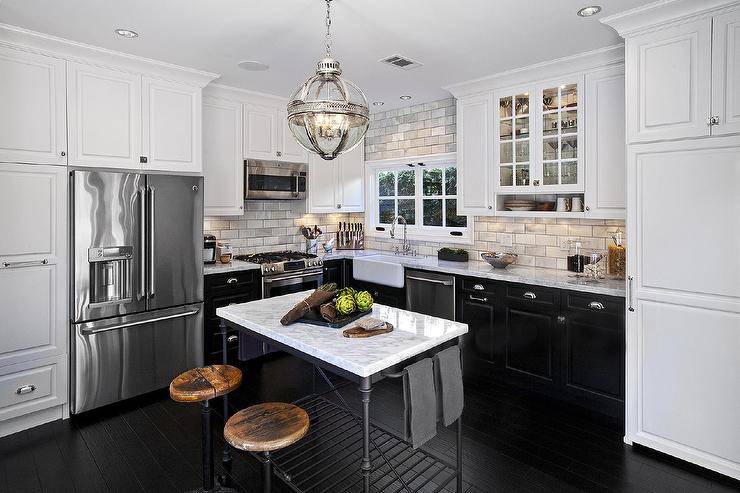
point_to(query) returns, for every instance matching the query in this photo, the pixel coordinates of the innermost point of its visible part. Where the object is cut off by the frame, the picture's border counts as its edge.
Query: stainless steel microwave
(272, 180)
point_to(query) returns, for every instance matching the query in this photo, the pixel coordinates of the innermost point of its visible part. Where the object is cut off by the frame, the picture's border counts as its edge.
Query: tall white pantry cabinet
(683, 318)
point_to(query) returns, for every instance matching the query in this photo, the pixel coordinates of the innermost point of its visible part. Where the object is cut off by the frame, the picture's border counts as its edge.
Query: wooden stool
(264, 428)
(202, 385)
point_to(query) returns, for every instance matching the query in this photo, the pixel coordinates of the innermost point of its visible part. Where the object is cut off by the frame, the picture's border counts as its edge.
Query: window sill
(415, 236)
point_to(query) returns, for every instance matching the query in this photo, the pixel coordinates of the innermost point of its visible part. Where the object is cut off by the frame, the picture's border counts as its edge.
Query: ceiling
(454, 40)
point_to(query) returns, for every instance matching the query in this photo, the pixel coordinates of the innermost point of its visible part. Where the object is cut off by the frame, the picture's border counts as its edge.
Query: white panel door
(669, 82)
(351, 180)
(606, 147)
(223, 165)
(291, 151)
(104, 117)
(33, 262)
(474, 155)
(260, 132)
(171, 119)
(726, 72)
(33, 115)
(683, 337)
(322, 185)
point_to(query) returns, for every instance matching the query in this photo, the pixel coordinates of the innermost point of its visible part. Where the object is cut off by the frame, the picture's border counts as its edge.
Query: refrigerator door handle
(142, 243)
(151, 242)
(106, 328)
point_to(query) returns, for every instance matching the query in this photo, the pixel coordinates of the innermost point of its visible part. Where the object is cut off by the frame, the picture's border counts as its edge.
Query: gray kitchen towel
(448, 377)
(420, 402)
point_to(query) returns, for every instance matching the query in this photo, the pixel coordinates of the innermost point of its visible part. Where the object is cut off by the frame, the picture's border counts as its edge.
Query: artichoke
(346, 304)
(364, 301)
(347, 291)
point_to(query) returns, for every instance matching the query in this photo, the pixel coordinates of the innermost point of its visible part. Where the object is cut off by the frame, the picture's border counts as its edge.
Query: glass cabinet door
(560, 136)
(514, 140)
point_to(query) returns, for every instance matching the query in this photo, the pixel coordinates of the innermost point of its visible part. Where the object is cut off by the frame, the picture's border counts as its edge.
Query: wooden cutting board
(359, 332)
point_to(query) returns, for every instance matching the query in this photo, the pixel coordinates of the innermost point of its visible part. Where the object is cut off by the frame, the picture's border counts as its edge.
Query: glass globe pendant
(327, 114)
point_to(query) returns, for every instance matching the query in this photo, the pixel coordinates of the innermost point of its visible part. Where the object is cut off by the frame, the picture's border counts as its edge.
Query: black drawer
(479, 285)
(533, 294)
(214, 341)
(219, 284)
(594, 303)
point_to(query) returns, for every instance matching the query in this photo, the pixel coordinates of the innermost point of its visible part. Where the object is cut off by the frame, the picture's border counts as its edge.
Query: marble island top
(413, 334)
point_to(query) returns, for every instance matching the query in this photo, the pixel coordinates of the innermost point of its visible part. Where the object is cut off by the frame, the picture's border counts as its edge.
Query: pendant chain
(328, 27)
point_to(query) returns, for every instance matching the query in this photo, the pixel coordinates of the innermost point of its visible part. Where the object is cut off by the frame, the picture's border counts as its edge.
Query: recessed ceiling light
(253, 66)
(405, 98)
(127, 33)
(589, 11)
(378, 103)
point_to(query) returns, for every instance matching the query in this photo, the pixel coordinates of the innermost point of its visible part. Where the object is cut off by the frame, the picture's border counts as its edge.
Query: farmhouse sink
(379, 269)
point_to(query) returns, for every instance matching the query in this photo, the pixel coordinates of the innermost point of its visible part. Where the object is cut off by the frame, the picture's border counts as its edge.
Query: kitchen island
(360, 361)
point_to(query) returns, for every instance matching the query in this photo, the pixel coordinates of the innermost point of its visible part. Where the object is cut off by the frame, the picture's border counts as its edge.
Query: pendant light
(327, 114)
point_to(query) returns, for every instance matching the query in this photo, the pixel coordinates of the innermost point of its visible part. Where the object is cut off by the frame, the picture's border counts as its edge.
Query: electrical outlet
(566, 244)
(505, 239)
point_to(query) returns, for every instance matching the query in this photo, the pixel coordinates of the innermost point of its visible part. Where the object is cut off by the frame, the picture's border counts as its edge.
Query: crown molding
(580, 62)
(244, 95)
(46, 44)
(665, 13)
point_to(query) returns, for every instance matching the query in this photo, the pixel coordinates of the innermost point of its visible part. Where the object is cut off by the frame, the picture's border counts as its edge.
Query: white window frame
(440, 234)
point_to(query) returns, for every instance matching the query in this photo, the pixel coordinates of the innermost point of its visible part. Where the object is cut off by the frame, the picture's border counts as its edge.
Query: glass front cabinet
(538, 142)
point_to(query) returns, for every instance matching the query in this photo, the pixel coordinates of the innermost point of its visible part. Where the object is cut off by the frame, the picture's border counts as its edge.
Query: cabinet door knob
(713, 120)
(231, 280)
(143, 159)
(595, 305)
(490, 207)
(561, 319)
(63, 154)
(339, 206)
(536, 183)
(587, 208)
(26, 389)
(278, 153)
(530, 295)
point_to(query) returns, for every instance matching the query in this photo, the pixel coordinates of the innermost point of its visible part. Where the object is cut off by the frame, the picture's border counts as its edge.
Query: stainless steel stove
(287, 272)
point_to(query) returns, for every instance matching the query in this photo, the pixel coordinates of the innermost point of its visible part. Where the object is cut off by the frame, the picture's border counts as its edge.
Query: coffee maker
(209, 249)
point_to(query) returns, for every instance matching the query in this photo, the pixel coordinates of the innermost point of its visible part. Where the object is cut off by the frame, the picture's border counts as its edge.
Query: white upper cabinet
(351, 180)
(337, 185)
(33, 262)
(104, 117)
(605, 144)
(171, 126)
(726, 73)
(260, 132)
(292, 152)
(223, 165)
(669, 75)
(33, 119)
(322, 185)
(474, 155)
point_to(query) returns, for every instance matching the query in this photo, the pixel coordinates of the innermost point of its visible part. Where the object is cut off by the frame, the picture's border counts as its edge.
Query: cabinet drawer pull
(232, 280)
(530, 295)
(475, 298)
(26, 389)
(629, 293)
(10, 265)
(232, 338)
(479, 287)
(595, 305)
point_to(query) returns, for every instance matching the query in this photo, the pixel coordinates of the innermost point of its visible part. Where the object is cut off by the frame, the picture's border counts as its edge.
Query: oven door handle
(300, 278)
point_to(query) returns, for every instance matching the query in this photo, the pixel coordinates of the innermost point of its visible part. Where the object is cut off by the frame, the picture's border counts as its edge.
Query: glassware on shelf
(550, 174)
(507, 153)
(522, 151)
(522, 175)
(504, 106)
(507, 176)
(522, 104)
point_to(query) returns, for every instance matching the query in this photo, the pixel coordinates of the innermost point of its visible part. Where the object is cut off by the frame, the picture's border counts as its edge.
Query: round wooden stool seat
(202, 384)
(266, 427)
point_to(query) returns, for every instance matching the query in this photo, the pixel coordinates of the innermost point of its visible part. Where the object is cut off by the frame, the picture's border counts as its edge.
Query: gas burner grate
(273, 257)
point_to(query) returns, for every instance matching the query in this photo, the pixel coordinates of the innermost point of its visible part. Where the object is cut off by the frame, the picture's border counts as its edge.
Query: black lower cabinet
(334, 272)
(476, 306)
(223, 290)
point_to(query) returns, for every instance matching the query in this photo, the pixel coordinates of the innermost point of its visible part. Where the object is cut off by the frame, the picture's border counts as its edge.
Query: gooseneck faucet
(405, 245)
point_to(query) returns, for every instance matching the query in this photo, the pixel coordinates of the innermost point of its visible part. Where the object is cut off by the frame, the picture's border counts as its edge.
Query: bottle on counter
(616, 257)
(576, 260)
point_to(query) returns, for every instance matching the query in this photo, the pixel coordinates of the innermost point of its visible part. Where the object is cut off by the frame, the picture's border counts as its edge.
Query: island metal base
(369, 435)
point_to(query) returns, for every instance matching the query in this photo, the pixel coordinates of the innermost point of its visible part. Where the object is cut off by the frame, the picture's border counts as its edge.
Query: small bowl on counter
(499, 260)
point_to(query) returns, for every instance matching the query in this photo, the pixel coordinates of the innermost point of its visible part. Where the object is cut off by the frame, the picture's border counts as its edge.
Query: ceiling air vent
(400, 62)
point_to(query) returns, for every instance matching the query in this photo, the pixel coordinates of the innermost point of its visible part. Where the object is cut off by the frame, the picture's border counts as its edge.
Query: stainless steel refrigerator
(137, 283)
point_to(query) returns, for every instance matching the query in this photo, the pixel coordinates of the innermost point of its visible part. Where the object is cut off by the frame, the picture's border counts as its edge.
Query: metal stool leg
(266, 472)
(207, 442)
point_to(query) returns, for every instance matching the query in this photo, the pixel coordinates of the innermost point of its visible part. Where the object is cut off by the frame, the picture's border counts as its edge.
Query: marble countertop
(526, 275)
(553, 278)
(233, 266)
(413, 334)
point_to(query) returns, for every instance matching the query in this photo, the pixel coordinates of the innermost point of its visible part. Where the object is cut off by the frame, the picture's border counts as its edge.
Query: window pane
(507, 176)
(386, 183)
(504, 109)
(451, 181)
(505, 129)
(506, 152)
(387, 210)
(550, 124)
(406, 186)
(522, 128)
(522, 175)
(407, 209)
(550, 99)
(550, 149)
(432, 212)
(569, 122)
(550, 174)
(522, 151)
(570, 147)
(522, 104)
(453, 220)
(569, 96)
(570, 173)
(432, 179)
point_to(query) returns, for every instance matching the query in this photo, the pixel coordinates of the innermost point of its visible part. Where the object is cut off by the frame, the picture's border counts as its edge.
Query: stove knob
(320, 262)
(272, 269)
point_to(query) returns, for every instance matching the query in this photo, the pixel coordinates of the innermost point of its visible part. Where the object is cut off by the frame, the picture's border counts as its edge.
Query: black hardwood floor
(514, 441)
